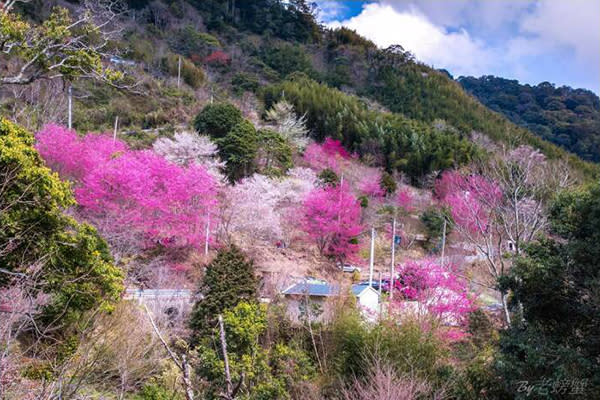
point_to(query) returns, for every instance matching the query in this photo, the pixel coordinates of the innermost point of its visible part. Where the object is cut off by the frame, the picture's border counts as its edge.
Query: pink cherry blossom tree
(258, 206)
(329, 154)
(167, 203)
(139, 190)
(370, 184)
(430, 290)
(73, 156)
(252, 208)
(404, 200)
(500, 212)
(331, 218)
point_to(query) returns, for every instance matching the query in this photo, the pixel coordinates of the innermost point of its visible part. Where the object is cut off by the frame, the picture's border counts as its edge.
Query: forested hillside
(562, 115)
(225, 52)
(219, 199)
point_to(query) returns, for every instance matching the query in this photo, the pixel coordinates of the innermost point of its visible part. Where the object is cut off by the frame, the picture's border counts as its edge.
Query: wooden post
(444, 241)
(207, 234)
(372, 257)
(392, 266)
(178, 71)
(115, 130)
(225, 358)
(70, 111)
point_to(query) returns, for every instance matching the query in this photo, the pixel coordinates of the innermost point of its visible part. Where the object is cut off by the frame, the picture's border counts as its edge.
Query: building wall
(369, 299)
(321, 308)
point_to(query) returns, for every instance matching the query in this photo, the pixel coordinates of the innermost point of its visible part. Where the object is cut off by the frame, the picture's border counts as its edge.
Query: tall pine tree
(229, 279)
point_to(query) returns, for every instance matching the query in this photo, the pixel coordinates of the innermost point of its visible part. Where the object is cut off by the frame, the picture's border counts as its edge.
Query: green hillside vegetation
(224, 41)
(565, 116)
(399, 143)
(218, 244)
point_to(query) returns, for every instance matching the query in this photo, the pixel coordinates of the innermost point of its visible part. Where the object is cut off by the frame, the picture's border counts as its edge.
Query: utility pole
(225, 357)
(70, 100)
(392, 266)
(372, 257)
(443, 241)
(178, 71)
(207, 234)
(115, 131)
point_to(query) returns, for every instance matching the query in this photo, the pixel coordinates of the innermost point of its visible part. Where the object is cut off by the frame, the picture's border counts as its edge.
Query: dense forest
(562, 115)
(220, 199)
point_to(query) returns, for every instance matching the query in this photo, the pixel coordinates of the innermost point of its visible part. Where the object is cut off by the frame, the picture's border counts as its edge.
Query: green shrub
(286, 58)
(190, 73)
(191, 43)
(364, 201)
(328, 177)
(154, 391)
(274, 153)
(244, 82)
(407, 347)
(140, 49)
(239, 149)
(388, 183)
(433, 218)
(216, 120)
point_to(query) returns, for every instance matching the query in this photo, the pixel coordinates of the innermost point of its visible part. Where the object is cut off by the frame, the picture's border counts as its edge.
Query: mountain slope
(565, 116)
(228, 56)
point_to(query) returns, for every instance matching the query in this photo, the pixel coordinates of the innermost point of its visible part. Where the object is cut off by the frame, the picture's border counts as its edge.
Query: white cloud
(432, 44)
(573, 23)
(330, 10)
(533, 41)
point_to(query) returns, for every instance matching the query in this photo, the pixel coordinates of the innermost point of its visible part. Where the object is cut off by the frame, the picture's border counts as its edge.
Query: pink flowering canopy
(404, 200)
(330, 154)
(471, 199)
(331, 218)
(164, 202)
(370, 184)
(436, 288)
(73, 156)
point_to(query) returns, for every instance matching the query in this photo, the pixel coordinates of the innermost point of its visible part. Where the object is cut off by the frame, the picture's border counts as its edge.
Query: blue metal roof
(313, 289)
(358, 289)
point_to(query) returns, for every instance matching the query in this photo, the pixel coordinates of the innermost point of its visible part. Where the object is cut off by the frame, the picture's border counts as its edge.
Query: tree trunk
(504, 295)
(187, 381)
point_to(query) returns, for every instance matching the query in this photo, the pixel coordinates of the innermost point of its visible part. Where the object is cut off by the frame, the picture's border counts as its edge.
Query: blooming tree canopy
(404, 200)
(331, 218)
(288, 124)
(436, 289)
(163, 202)
(473, 200)
(330, 154)
(187, 148)
(248, 214)
(370, 185)
(497, 216)
(72, 156)
(279, 199)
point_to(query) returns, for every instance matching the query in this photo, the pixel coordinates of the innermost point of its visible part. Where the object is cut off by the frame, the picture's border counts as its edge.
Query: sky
(529, 40)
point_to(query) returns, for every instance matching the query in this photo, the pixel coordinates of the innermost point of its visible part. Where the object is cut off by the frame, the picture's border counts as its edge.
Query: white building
(315, 299)
(368, 300)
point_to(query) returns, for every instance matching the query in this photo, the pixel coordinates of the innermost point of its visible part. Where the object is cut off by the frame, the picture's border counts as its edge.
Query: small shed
(309, 298)
(367, 298)
(314, 299)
